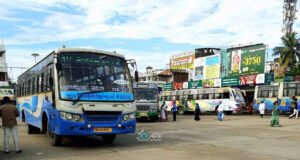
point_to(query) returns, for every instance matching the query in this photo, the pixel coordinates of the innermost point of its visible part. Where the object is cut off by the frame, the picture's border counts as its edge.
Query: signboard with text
(182, 60)
(195, 84)
(168, 87)
(230, 81)
(248, 60)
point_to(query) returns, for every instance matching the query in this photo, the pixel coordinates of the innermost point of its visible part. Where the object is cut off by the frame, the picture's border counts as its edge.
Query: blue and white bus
(76, 91)
(281, 92)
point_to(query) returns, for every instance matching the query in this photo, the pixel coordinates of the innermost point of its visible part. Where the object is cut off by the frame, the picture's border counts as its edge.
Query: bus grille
(142, 108)
(102, 117)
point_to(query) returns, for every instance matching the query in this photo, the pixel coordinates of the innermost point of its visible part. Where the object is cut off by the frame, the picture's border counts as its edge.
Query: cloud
(21, 58)
(213, 23)
(192, 22)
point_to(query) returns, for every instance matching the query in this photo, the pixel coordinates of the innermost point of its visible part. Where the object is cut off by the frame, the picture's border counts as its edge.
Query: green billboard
(248, 60)
(230, 81)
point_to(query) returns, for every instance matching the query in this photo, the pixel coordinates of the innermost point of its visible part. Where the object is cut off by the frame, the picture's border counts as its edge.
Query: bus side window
(42, 83)
(33, 86)
(28, 87)
(205, 96)
(225, 95)
(195, 96)
(211, 96)
(38, 84)
(217, 96)
(199, 96)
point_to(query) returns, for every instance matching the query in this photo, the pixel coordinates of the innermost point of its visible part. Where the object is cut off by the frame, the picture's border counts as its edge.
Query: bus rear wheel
(108, 138)
(228, 112)
(181, 111)
(32, 129)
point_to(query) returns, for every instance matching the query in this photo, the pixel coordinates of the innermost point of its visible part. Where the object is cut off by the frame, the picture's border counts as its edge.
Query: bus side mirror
(136, 76)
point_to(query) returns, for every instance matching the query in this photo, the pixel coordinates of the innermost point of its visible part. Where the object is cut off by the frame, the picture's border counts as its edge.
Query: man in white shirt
(220, 111)
(261, 109)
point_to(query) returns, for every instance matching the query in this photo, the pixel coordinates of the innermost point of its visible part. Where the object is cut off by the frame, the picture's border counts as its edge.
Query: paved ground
(238, 137)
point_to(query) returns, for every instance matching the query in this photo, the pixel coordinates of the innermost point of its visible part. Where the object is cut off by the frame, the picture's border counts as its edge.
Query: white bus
(207, 98)
(76, 91)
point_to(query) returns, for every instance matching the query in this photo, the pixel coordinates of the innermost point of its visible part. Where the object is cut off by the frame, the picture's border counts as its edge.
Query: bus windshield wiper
(81, 94)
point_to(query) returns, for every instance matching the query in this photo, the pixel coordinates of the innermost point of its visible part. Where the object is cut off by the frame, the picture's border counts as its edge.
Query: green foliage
(289, 52)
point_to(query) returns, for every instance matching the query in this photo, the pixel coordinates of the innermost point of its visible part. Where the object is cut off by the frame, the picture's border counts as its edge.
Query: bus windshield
(239, 95)
(91, 72)
(145, 94)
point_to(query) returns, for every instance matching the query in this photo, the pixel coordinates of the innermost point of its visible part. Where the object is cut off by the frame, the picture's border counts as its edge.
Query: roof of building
(165, 73)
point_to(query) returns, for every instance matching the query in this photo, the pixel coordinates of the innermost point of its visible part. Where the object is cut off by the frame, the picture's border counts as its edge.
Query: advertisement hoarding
(212, 71)
(184, 60)
(208, 83)
(248, 60)
(252, 79)
(199, 64)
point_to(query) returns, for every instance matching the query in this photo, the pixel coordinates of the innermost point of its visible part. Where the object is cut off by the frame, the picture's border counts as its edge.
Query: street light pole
(35, 55)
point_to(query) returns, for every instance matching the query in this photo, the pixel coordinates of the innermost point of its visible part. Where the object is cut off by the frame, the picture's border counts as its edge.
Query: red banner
(177, 85)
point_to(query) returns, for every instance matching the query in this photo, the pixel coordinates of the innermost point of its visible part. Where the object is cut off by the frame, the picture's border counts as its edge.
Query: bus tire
(56, 140)
(181, 111)
(108, 138)
(228, 112)
(29, 129)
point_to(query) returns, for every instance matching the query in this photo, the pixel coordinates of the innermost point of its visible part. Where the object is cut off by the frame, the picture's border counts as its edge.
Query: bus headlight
(71, 117)
(129, 116)
(68, 116)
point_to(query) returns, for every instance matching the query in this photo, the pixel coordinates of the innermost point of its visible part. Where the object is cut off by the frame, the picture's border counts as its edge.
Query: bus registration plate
(97, 130)
(143, 114)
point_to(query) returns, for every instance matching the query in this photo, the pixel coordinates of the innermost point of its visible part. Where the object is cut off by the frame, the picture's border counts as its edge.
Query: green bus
(146, 99)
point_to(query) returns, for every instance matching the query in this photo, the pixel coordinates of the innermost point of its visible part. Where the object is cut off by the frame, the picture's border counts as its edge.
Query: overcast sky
(146, 30)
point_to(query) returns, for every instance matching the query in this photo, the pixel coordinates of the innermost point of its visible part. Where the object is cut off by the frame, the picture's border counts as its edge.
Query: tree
(289, 54)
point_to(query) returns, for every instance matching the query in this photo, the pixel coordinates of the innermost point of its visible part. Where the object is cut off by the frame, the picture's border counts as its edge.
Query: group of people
(164, 116)
(164, 113)
(275, 111)
(9, 114)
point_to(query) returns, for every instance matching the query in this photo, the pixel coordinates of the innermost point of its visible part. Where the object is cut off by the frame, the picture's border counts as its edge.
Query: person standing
(197, 112)
(220, 112)
(163, 112)
(174, 111)
(261, 109)
(9, 113)
(294, 105)
(275, 115)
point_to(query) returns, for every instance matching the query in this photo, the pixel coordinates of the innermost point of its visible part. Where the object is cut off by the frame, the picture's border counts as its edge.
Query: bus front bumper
(146, 114)
(71, 128)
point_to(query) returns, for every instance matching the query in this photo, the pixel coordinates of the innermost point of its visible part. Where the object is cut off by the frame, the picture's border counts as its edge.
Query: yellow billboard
(212, 71)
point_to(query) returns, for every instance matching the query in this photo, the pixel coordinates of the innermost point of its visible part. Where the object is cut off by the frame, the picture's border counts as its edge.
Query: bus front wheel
(109, 138)
(32, 129)
(56, 140)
